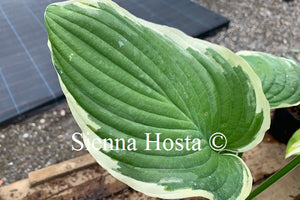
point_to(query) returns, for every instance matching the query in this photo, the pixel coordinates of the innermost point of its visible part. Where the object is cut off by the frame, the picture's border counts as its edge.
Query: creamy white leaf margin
(293, 146)
(152, 189)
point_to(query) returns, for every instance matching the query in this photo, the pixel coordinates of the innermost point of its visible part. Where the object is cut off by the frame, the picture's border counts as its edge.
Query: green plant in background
(293, 146)
(124, 77)
(280, 77)
(293, 149)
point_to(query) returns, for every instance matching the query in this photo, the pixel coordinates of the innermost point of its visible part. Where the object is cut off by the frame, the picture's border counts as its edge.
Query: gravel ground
(43, 139)
(37, 141)
(271, 26)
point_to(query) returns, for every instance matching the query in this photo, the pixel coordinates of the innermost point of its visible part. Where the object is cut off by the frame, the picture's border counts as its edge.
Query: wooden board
(90, 183)
(57, 170)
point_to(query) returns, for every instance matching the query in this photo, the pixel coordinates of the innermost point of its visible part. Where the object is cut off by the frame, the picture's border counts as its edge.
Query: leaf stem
(275, 177)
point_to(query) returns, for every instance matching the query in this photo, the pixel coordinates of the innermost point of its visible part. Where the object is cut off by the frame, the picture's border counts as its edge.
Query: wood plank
(60, 169)
(90, 183)
(16, 190)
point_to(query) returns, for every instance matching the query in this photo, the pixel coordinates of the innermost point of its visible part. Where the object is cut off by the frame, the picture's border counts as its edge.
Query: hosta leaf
(293, 146)
(124, 77)
(280, 77)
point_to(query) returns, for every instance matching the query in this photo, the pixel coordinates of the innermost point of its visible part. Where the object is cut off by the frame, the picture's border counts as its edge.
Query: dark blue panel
(185, 15)
(27, 76)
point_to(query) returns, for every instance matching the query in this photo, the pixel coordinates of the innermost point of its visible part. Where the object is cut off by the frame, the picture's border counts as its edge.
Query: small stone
(54, 113)
(25, 135)
(284, 41)
(42, 121)
(10, 164)
(62, 112)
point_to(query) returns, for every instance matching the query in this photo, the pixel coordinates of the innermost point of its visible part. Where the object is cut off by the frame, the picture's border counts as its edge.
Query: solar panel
(27, 77)
(185, 15)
